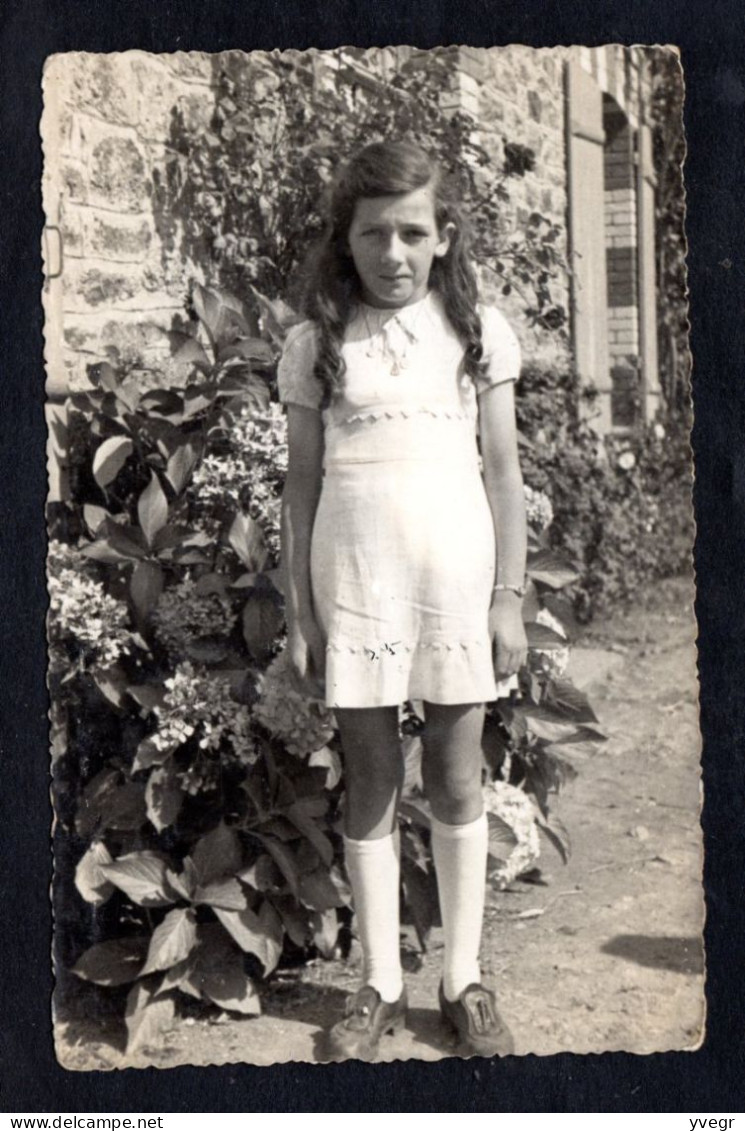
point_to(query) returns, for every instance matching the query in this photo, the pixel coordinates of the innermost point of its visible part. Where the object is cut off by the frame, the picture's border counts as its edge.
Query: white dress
(403, 543)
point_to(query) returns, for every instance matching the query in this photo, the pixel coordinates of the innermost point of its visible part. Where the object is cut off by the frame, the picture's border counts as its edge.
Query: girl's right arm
(306, 646)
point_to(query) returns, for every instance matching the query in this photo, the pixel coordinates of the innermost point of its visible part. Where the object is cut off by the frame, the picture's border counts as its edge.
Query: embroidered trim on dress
(390, 414)
(388, 649)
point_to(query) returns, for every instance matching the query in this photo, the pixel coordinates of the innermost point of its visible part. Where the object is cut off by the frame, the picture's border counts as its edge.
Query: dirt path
(606, 957)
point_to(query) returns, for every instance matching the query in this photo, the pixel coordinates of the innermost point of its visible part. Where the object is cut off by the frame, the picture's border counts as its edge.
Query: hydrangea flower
(248, 476)
(515, 808)
(303, 725)
(538, 509)
(198, 703)
(81, 613)
(550, 662)
(184, 616)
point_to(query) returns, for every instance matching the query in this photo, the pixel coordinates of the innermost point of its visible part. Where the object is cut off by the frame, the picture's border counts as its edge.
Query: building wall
(109, 148)
(106, 128)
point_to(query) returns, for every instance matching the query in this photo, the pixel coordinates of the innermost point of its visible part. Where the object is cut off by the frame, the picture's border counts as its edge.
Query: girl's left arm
(504, 489)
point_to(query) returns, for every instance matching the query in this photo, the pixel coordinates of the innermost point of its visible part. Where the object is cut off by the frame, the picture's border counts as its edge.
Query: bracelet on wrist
(518, 590)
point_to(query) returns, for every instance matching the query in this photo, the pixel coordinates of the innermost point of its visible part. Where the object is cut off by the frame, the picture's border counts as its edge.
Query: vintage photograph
(372, 664)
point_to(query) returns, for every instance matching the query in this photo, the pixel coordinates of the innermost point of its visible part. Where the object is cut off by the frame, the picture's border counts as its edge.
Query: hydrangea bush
(198, 793)
(621, 505)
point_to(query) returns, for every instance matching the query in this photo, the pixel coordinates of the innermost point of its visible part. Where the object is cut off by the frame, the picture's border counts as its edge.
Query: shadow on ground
(680, 955)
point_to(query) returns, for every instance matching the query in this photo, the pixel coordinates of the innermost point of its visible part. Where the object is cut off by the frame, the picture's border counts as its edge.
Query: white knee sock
(459, 853)
(374, 870)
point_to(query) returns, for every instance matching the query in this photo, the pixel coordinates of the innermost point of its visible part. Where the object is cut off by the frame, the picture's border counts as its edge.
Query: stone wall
(110, 147)
(522, 100)
(107, 130)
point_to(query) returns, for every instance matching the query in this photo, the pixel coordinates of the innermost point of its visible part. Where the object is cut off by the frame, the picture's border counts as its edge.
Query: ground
(607, 956)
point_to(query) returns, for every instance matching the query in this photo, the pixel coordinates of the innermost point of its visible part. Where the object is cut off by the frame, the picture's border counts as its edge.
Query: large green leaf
(331, 762)
(182, 977)
(220, 975)
(318, 892)
(163, 796)
(188, 350)
(113, 963)
(277, 316)
(183, 883)
(262, 619)
(541, 636)
(108, 801)
(180, 465)
(101, 551)
(262, 875)
(556, 832)
(172, 941)
(148, 754)
(110, 458)
(230, 987)
(549, 569)
(563, 696)
(152, 509)
(227, 894)
(93, 516)
(325, 927)
(142, 876)
(165, 402)
(148, 695)
(218, 853)
(145, 587)
(246, 538)
(284, 860)
(295, 919)
(220, 313)
(90, 880)
(126, 539)
(256, 934)
(502, 839)
(146, 1018)
(112, 683)
(249, 349)
(215, 971)
(300, 815)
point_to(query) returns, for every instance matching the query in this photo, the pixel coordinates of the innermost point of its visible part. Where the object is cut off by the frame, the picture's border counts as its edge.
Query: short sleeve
(295, 379)
(501, 350)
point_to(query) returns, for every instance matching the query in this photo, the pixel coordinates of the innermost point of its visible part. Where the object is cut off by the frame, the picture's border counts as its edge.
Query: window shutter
(585, 141)
(645, 226)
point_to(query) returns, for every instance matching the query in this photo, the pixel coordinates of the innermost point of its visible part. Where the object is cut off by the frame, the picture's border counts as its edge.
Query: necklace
(380, 344)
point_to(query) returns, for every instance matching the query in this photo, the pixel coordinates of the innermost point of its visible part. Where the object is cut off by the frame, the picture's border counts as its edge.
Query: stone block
(74, 182)
(191, 66)
(102, 84)
(79, 336)
(472, 61)
(93, 287)
(123, 238)
(128, 338)
(118, 178)
(158, 93)
(72, 227)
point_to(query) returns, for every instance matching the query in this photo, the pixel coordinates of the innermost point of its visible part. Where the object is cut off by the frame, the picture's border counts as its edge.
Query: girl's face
(393, 241)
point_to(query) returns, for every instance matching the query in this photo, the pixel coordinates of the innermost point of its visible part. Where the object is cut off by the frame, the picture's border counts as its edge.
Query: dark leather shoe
(473, 1016)
(366, 1019)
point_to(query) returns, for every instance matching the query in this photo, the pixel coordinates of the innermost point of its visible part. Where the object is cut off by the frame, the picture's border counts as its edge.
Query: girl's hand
(307, 651)
(508, 633)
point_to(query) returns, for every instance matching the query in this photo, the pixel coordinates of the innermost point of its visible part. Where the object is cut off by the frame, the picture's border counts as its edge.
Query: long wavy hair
(333, 288)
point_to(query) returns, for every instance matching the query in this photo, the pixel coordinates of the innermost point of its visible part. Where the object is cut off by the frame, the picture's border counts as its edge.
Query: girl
(404, 566)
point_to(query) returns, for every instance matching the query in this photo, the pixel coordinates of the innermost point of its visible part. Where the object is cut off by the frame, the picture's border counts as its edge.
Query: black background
(711, 37)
